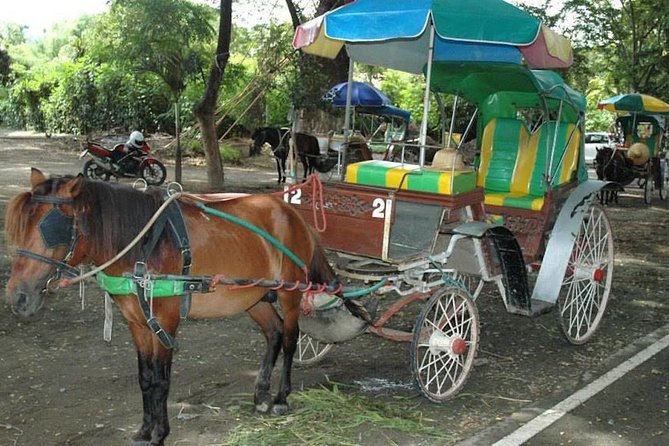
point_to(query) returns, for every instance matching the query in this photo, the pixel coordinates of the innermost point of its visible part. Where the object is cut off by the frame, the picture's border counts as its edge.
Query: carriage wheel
(663, 180)
(472, 283)
(445, 339)
(309, 350)
(587, 282)
(648, 191)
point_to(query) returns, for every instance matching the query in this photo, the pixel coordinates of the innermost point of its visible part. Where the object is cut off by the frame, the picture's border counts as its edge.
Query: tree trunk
(205, 110)
(317, 74)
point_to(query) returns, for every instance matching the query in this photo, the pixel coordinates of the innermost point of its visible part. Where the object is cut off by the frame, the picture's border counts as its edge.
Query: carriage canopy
(499, 90)
(395, 34)
(634, 103)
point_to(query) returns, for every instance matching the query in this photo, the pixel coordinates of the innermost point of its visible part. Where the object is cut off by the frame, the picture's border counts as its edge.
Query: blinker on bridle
(54, 228)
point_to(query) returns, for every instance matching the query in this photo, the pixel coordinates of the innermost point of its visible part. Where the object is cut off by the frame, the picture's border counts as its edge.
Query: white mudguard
(561, 242)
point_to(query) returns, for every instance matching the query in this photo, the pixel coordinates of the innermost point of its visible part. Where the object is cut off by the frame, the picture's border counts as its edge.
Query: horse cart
(642, 155)
(523, 218)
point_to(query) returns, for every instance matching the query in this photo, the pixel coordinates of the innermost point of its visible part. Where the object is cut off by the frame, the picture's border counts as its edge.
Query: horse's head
(602, 161)
(40, 227)
(259, 138)
(276, 138)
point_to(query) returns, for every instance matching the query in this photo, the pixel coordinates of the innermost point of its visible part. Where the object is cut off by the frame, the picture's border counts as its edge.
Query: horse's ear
(36, 177)
(73, 187)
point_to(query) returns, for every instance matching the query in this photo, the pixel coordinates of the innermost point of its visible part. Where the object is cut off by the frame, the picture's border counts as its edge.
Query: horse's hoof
(279, 409)
(140, 439)
(263, 408)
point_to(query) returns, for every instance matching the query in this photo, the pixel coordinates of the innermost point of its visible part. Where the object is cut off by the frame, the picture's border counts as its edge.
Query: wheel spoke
(310, 350)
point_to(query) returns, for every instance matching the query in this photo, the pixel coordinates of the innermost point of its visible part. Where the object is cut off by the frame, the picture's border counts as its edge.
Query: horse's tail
(320, 271)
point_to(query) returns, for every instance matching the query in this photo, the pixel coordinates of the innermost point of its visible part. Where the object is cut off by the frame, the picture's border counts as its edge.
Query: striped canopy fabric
(394, 34)
(634, 103)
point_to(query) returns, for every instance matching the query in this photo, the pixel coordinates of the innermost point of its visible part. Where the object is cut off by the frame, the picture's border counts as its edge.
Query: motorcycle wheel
(94, 172)
(153, 172)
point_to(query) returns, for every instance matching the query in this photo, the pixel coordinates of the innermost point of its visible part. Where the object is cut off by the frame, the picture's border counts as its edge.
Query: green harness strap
(126, 285)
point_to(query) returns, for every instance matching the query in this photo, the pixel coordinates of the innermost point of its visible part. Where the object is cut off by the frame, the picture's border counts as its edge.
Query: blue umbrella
(362, 94)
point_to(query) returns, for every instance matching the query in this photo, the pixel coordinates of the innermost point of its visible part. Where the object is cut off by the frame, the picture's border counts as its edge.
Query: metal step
(537, 307)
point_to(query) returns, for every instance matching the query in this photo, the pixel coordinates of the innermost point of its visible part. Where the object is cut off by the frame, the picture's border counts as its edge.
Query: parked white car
(596, 140)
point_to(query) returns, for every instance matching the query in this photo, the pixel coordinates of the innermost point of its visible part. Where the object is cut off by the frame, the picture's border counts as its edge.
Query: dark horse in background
(310, 155)
(278, 139)
(67, 221)
(307, 148)
(613, 165)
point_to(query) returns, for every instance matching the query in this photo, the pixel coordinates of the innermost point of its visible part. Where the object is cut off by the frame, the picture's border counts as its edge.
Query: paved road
(626, 406)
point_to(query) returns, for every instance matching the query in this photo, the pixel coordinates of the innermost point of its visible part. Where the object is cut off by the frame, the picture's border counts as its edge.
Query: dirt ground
(61, 384)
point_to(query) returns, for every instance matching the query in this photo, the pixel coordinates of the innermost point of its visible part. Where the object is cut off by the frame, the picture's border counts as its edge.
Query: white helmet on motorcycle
(136, 140)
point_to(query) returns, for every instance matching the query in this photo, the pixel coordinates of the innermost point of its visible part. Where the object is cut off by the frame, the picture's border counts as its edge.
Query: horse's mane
(113, 215)
(19, 210)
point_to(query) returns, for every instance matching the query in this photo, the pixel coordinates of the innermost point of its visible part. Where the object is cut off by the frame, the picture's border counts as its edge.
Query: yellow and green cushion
(563, 172)
(410, 177)
(513, 161)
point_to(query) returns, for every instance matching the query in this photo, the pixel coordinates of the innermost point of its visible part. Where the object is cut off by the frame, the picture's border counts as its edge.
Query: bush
(192, 146)
(230, 155)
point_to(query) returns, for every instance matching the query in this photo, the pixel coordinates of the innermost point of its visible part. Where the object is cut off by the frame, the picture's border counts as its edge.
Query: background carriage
(641, 156)
(380, 128)
(436, 234)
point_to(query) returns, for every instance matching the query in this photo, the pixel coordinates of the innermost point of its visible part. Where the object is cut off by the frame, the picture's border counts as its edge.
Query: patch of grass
(230, 155)
(330, 417)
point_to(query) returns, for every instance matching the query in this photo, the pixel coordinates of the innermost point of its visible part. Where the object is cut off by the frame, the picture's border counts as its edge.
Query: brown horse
(66, 221)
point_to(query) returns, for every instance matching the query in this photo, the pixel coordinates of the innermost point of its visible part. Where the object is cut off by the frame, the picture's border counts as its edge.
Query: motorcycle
(106, 163)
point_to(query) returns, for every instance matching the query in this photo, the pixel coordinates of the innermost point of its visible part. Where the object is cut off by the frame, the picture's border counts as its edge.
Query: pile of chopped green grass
(330, 417)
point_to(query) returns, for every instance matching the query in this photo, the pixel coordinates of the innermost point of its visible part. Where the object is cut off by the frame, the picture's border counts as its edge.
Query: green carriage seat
(513, 161)
(395, 175)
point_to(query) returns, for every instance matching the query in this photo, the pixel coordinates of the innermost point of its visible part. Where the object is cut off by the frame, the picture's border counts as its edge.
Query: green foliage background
(126, 68)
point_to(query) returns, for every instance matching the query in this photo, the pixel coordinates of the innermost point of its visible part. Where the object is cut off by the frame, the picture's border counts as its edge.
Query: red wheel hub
(458, 346)
(598, 275)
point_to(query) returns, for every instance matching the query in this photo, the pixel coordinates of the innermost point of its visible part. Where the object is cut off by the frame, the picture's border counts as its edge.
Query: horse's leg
(278, 169)
(264, 314)
(283, 168)
(290, 304)
(154, 369)
(305, 165)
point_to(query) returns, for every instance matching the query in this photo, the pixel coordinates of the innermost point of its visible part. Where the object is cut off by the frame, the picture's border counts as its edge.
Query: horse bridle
(51, 228)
